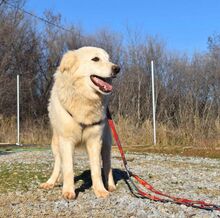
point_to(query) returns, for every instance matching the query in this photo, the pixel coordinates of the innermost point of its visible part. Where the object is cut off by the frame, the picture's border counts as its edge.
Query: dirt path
(22, 172)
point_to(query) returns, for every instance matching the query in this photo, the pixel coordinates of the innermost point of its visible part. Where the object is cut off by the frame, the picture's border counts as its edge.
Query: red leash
(143, 194)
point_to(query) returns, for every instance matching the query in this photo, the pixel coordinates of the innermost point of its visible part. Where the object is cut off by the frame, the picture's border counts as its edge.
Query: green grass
(14, 148)
(22, 176)
(194, 151)
(202, 151)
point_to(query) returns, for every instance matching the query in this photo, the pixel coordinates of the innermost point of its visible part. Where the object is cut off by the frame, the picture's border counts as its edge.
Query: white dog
(77, 111)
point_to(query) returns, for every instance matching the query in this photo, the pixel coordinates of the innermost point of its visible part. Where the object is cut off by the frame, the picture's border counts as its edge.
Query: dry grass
(32, 131)
(185, 141)
(167, 135)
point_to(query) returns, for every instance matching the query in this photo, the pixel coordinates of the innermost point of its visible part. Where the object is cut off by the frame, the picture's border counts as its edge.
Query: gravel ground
(22, 172)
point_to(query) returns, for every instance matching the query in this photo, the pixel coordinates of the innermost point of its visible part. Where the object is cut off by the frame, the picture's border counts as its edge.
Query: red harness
(143, 194)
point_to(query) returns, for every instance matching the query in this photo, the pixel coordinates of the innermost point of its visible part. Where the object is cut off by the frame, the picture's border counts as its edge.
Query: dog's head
(90, 69)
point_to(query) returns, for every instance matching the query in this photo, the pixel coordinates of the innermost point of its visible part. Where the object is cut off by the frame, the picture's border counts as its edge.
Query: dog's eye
(95, 59)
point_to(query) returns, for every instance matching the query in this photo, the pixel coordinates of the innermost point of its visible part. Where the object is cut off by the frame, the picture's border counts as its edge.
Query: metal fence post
(18, 110)
(153, 103)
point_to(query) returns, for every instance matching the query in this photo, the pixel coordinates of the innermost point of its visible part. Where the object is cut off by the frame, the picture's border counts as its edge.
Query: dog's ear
(69, 62)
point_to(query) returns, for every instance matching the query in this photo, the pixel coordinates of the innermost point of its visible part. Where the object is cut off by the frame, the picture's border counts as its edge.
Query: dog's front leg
(94, 146)
(66, 151)
(56, 171)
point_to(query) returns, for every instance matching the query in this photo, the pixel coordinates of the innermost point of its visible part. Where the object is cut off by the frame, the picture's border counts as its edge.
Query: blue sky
(183, 25)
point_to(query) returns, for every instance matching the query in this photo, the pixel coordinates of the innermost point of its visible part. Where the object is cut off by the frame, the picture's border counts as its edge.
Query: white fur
(73, 92)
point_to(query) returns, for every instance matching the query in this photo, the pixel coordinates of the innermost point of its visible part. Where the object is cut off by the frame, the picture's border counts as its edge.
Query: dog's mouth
(104, 84)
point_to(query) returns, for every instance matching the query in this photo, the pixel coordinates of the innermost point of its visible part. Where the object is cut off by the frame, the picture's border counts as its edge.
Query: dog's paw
(69, 195)
(111, 188)
(101, 193)
(46, 186)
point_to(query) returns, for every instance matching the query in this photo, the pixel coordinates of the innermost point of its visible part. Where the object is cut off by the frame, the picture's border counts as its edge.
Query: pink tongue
(102, 84)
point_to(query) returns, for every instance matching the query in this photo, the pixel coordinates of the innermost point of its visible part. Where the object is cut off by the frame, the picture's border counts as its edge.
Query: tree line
(187, 87)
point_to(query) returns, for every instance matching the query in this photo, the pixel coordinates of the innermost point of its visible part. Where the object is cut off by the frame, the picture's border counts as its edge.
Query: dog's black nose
(115, 69)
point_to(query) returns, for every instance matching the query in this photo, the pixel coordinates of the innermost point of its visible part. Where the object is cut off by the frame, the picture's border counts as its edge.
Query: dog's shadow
(85, 177)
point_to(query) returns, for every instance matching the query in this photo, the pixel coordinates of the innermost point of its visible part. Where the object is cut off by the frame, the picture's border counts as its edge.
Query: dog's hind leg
(94, 146)
(56, 174)
(106, 159)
